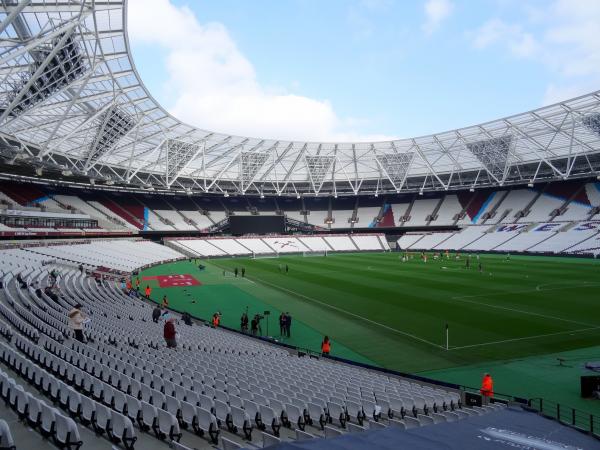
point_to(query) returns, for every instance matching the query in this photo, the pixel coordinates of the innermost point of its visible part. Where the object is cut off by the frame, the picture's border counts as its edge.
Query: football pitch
(381, 310)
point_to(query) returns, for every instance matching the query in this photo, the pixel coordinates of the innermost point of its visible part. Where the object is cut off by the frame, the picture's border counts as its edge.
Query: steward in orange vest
(325, 346)
(148, 291)
(216, 320)
(487, 386)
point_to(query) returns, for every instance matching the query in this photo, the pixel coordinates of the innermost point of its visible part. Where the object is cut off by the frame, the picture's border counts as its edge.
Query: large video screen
(256, 224)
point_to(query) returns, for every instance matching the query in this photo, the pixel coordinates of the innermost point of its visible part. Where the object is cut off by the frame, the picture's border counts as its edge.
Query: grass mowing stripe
(483, 344)
(520, 311)
(412, 336)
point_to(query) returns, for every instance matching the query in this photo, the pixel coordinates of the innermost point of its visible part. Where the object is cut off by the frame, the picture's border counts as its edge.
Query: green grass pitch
(381, 310)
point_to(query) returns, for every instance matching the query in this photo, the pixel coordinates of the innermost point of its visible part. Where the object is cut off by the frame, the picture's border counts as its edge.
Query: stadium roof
(72, 100)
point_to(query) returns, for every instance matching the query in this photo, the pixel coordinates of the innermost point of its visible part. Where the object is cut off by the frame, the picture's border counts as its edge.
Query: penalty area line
(483, 344)
(335, 308)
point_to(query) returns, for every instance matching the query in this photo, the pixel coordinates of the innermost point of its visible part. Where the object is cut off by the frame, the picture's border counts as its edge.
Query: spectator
(244, 321)
(38, 291)
(288, 323)
(187, 319)
(170, 334)
(487, 386)
(81, 268)
(326, 346)
(156, 312)
(48, 291)
(282, 324)
(254, 326)
(76, 321)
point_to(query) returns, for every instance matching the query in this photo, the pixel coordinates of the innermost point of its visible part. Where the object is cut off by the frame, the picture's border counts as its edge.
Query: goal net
(314, 253)
(264, 255)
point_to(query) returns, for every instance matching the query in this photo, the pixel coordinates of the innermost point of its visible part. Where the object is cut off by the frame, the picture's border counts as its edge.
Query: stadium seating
(123, 255)
(123, 384)
(449, 208)
(463, 238)
(341, 218)
(430, 241)
(421, 210)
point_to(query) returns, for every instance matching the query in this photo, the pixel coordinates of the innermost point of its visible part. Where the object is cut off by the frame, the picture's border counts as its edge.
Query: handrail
(567, 415)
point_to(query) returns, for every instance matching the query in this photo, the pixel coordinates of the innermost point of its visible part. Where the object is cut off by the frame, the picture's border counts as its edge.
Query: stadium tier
(164, 286)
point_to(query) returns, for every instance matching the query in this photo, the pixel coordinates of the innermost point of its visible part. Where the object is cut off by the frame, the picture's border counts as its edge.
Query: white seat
(6, 439)
(87, 413)
(67, 433)
(48, 420)
(149, 417)
(122, 430)
(207, 422)
(34, 411)
(102, 419)
(269, 418)
(241, 421)
(168, 426)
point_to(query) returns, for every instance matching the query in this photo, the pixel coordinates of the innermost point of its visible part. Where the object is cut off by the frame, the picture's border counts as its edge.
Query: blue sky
(365, 69)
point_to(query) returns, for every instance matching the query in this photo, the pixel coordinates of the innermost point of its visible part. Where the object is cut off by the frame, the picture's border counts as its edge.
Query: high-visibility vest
(326, 347)
(215, 321)
(148, 291)
(487, 386)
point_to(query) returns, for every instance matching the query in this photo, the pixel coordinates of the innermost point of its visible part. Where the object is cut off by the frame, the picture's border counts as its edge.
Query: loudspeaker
(589, 384)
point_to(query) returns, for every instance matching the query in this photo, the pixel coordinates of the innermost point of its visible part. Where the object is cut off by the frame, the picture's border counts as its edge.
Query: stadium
(346, 295)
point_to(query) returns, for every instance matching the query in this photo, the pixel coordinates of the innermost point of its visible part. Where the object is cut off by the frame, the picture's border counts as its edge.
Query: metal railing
(566, 415)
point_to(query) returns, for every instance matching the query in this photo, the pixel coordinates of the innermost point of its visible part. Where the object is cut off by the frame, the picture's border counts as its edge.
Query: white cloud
(436, 11)
(563, 36)
(215, 87)
(496, 31)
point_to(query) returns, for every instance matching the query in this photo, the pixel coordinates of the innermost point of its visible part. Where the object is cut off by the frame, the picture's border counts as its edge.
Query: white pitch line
(404, 333)
(523, 338)
(520, 311)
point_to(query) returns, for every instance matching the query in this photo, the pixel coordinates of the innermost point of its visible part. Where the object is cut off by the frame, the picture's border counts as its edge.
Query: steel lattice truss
(70, 98)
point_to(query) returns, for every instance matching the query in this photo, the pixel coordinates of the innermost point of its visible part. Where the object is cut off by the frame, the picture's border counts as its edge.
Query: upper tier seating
(449, 208)
(175, 218)
(341, 218)
(421, 210)
(366, 216)
(124, 255)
